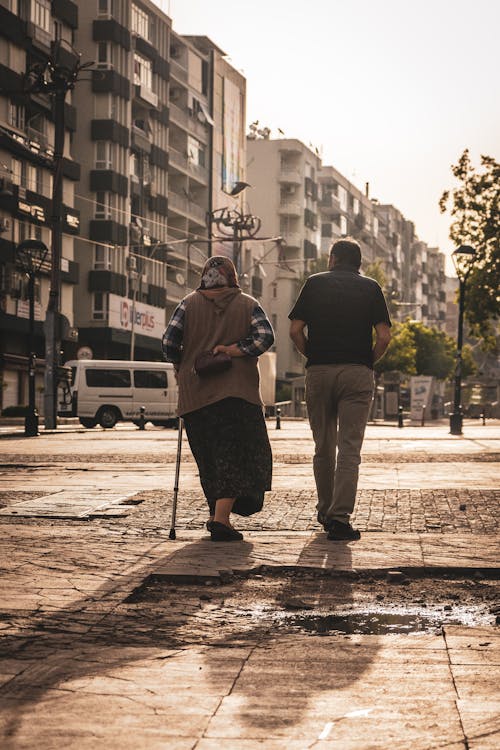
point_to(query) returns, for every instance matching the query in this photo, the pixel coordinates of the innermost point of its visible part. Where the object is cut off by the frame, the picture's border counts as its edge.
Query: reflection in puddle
(366, 623)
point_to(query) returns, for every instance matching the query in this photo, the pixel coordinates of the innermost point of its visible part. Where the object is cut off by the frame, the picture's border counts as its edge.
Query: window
(104, 7)
(196, 152)
(342, 196)
(29, 231)
(102, 205)
(143, 71)
(140, 22)
(100, 306)
(16, 115)
(102, 155)
(104, 55)
(150, 379)
(102, 259)
(107, 378)
(343, 225)
(40, 14)
(355, 206)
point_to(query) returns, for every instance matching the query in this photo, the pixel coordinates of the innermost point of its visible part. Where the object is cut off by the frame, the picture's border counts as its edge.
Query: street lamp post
(30, 257)
(463, 259)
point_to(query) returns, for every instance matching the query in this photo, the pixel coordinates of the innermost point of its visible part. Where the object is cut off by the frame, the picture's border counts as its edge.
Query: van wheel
(88, 422)
(108, 417)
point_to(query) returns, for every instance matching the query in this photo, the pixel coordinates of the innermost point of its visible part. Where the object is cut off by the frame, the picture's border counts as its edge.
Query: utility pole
(55, 77)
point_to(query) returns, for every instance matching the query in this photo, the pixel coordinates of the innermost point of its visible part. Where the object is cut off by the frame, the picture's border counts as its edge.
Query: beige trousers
(338, 400)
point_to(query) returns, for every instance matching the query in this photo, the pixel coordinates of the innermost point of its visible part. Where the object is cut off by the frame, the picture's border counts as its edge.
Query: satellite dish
(179, 277)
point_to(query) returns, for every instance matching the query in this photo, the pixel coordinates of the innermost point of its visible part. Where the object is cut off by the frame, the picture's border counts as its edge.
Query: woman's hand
(233, 350)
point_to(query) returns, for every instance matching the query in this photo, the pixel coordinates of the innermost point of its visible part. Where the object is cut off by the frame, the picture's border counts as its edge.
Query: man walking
(340, 309)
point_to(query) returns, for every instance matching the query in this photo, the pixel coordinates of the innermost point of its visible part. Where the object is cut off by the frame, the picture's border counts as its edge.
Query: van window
(150, 379)
(107, 378)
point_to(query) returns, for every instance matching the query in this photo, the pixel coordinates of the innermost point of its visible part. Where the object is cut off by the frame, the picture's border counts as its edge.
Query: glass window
(40, 14)
(101, 257)
(107, 378)
(102, 155)
(143, 71)
(140, 22)
(104, 7)
(100, 306)
(150, 379)
(16, 115)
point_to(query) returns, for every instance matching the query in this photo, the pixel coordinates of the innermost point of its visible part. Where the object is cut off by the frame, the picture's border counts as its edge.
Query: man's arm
(298, 336)
(383, 336)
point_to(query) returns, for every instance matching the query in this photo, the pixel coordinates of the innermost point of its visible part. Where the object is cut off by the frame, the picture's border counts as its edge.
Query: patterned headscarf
(218, 272)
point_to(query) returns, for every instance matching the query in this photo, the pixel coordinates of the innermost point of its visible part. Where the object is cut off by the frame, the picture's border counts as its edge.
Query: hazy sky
(390, 91)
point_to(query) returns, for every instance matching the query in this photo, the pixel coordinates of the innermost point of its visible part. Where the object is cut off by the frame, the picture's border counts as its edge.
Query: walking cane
(176, 481)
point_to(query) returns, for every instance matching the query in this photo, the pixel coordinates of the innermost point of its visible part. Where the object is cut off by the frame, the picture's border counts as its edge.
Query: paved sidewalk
(88, 664)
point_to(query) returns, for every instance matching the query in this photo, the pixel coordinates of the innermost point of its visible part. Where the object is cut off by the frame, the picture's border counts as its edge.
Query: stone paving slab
(70, 503)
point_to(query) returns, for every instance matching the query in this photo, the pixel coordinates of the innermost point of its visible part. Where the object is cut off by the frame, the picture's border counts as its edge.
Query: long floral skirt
(231, 447)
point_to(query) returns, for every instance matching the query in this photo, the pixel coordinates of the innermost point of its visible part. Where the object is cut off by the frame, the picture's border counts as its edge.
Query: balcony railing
(288, 174)
(180, 203)
(293, 208)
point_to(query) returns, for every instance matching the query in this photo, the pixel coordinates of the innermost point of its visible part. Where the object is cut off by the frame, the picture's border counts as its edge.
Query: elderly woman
(223, 412)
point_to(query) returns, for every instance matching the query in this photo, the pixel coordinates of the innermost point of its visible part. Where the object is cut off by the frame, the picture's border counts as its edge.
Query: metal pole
(52, 320)
(456, 419)
(236, 247)
(172, 534)
(31, 420)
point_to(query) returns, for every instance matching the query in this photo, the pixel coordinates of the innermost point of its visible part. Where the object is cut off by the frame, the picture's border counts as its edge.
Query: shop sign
(23, 309)
(148, 320)
(36, 212)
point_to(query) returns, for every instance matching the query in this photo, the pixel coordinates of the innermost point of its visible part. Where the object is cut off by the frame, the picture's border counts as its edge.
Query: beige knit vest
(204, 328)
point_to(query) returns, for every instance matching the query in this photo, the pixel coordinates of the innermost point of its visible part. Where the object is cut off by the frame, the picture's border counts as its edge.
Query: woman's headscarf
(219, 272)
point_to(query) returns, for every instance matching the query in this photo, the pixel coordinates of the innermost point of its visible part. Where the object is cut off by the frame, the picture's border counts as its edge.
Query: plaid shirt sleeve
(172, 338)
(261, 336)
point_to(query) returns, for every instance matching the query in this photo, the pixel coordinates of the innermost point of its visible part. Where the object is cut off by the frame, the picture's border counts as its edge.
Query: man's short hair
(347, 251)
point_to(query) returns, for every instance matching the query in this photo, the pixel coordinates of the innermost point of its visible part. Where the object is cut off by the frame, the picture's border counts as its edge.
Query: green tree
(401, 354)
(475, 210)
(417, 349)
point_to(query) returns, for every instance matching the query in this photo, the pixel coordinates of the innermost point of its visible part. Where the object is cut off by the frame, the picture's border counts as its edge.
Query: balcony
(290, 208)
(148, 96)
(289, 174)
(330, 201)
(181, 204)
(178, 116)
(178, 160)
(293, 239)
(177, 71)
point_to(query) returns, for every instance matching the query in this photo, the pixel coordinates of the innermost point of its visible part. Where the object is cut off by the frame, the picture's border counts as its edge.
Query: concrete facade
(28, 32)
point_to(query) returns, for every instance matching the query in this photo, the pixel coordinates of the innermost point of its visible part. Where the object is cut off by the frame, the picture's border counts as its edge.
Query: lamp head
(238, 188)
(463, 260)
(31, 255)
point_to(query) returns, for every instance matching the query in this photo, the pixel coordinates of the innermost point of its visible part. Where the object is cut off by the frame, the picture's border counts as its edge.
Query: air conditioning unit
(175, 95)
(131, 263)
(5, 225)
(291, 190)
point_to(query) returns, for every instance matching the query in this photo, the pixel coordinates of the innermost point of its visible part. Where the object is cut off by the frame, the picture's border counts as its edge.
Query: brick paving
(397, 511)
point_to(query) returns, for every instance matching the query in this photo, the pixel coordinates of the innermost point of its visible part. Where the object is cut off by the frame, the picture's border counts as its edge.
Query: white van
(105, 391)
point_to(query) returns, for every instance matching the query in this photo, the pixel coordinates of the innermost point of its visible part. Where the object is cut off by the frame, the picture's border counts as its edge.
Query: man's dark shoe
(219, 532)
(341, 532)
(323, 521)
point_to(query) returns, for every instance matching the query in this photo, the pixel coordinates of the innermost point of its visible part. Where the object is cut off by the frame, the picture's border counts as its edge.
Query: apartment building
(122, 144)
(284, 177)
(30, 33)
(345, 210)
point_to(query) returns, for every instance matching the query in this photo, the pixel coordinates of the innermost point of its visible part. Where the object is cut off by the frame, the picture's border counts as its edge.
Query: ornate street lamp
(463, 260)
(30, 257)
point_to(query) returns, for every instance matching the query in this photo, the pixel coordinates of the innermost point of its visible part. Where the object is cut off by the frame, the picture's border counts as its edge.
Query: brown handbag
(208, 363)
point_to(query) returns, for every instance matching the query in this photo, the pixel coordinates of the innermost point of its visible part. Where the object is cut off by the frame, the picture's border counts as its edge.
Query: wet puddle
(366, 623)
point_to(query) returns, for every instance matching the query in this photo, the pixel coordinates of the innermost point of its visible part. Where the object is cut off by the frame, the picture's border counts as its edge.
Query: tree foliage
(417, 349)
(475, 210)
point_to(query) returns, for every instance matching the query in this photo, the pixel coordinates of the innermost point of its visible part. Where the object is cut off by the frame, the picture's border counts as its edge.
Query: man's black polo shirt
(340, 308)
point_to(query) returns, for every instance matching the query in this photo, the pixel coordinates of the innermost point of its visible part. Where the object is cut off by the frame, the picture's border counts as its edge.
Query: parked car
(108, 391)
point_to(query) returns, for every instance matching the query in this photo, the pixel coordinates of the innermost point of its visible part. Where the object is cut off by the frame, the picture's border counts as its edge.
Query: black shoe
(339, 532)
(323, 521)
(219, 532)
(209, 525)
